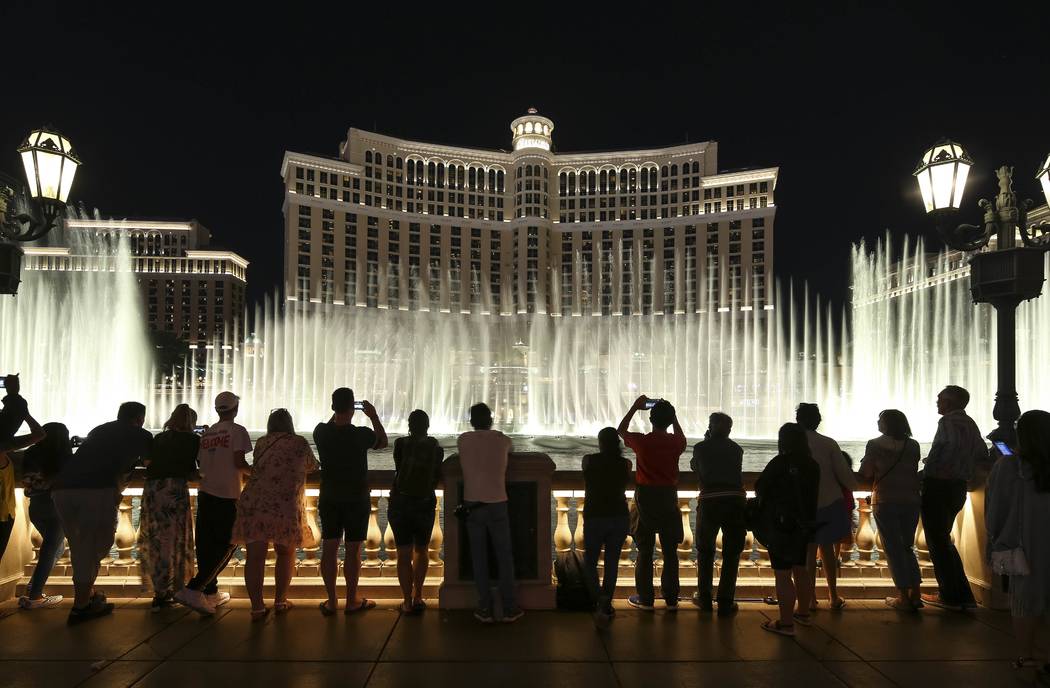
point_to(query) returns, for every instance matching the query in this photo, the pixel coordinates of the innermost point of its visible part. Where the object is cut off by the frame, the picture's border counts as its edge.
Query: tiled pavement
(864, 645)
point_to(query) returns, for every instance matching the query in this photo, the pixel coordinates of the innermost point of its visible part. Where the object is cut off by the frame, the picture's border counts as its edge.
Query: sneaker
(195, 600)
(45, 602)
(636, 602)
(217, 599)
(484, 616)
(93, 610)
(936, 601)
(513, 615)
(703, 604)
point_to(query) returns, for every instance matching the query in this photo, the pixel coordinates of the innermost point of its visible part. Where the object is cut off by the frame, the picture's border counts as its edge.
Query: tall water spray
(77, 338)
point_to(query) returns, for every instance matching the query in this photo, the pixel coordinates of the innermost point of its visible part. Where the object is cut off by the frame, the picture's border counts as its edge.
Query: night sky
(185, 113)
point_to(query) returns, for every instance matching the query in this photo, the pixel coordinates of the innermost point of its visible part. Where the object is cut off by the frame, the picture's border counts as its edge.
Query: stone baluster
(922, 550)
(125, 536)
(577, 533)
(685, 547)
(749, 548)
(372, 565)
(390, 545)
(626, 566)
(880, 548)
(865, 534)
(35, 539)
(562, 534)
(310, 564)
(435, 565)
(763, 557)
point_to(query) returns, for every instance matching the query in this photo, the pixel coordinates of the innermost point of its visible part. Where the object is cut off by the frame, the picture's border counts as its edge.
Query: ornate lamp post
(1004, 275)
(29, 211)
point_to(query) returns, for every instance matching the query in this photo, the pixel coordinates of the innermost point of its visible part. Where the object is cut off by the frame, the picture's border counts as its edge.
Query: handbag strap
(878, 479)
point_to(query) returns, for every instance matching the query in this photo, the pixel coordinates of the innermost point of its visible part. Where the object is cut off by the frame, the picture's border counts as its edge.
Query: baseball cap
(226, 401)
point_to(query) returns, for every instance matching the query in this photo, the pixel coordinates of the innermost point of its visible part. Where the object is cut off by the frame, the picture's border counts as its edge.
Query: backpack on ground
(572, 593)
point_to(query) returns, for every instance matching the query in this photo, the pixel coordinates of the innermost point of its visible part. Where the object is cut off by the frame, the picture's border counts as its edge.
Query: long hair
(609, 444)
(792, 440)
(182, 419)
(1033, 435)
(51, 451)
(896, 424)
(280, 421)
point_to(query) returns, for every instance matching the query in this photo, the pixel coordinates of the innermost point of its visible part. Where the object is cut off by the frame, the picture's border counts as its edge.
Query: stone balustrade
(862, 565)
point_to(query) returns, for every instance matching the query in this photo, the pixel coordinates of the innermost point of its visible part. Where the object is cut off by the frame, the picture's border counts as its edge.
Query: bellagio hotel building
(405, 225)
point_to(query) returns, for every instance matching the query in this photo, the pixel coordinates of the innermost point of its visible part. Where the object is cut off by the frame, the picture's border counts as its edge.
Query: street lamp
(1006, 274)
(29, 211)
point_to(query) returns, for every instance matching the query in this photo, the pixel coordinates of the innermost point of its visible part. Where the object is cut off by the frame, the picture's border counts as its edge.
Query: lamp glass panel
(942, 178)
(29, 163)
(1044, 179)
(49, 167)
(926, 188)
(69, 170)
(962, 171)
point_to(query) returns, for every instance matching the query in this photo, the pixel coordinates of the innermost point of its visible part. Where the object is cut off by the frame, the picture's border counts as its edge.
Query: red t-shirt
(658, 454)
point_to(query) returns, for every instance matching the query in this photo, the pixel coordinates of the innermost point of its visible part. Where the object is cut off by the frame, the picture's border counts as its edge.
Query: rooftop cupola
(532, 131)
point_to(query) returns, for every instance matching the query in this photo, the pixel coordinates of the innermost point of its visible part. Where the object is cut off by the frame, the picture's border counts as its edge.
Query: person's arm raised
(625, 424)
(36, 434)
(377, 425)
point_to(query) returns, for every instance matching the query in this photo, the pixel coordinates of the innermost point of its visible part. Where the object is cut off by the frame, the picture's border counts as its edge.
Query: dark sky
(180, 112)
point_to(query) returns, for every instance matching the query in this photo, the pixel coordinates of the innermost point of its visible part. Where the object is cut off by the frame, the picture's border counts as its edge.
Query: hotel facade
(190, 289)
(398, 224)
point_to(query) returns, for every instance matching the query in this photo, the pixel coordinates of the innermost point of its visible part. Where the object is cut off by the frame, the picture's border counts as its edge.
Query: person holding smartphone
(656, 499)
(344, 505)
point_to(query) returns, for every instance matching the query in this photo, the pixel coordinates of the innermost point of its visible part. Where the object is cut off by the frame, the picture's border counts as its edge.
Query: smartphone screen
(3, 383)
(199, 429)
(1003, 448)
(359, 405)
(651, 403)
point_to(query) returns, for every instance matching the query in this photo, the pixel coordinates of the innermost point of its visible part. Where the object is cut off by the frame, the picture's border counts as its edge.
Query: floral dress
(271, 507)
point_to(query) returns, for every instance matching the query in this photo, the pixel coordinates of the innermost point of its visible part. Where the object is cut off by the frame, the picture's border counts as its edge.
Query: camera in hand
(651, 403)
(359, 405)
(75, 441)
(199, 429)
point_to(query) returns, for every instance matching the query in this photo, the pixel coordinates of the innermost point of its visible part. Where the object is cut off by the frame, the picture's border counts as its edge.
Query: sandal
(838, 604)
(283, 606)
(365, 605)
(260, 614)
(774, 626)
(803, 619)
(325, 609)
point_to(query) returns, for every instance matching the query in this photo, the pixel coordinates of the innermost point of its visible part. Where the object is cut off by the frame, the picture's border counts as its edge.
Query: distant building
(399, 224)
(190, 289)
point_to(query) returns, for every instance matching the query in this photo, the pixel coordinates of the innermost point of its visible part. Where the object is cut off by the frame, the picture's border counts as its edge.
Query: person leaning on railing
(718, 462)
(606, 520)
(41, 464)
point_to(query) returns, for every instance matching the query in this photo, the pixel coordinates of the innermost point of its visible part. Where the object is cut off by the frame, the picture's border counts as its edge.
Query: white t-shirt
(220, 476)
(834, 471)
(483, 457)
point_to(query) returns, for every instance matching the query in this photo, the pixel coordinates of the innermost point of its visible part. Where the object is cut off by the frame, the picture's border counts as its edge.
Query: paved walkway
(865, 645)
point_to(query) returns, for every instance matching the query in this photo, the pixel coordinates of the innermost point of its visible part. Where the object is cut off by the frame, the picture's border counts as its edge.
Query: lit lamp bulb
(50, 165)
(942, 176)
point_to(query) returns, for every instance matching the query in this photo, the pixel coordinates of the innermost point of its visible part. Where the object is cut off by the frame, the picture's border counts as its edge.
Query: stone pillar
(125, 537)
(529, 478)
(749, 547)
(865, 533)
(435, 567)
(372, 565)
(685, 547)
(562, 534)
(310, 564)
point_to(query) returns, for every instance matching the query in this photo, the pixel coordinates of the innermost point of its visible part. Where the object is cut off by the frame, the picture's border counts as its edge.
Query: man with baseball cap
(222, 465)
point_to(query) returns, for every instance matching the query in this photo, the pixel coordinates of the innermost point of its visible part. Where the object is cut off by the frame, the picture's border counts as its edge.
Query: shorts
(411, 519)
(786, 560)
(344, 520)
(833, 523)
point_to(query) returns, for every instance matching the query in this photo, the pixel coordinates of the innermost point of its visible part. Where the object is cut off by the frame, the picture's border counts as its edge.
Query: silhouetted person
(891, 462)
(718, 462)
(8, 506)
(833, 515)
(40, 466)
(15, 409)
(223, 448)
(483, 455)
(1017, 512)
(788, 487)
(87, 494)
(412, 505)
(957, 447)
(656, 498)
(345, 505)
(606, 520)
